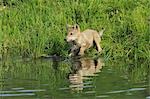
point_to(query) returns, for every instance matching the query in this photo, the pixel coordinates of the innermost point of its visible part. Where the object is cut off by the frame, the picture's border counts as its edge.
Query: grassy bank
(35, 27)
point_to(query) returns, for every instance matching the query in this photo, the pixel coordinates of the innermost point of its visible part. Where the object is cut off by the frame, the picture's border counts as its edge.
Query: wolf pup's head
(73, 32)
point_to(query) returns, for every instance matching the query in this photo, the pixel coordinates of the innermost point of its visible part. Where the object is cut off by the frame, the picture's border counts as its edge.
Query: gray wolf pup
(83, 40)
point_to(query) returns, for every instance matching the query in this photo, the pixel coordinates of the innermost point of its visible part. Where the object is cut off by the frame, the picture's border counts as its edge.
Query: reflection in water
(61, 79)
(82, 72)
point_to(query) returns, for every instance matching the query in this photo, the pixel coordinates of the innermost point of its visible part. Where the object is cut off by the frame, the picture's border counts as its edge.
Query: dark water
(84, 78)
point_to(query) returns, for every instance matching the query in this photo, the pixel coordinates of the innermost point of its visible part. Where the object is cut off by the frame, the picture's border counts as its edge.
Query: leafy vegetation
(30, 28)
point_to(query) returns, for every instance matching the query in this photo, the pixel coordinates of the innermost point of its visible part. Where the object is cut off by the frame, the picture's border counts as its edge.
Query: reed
(30, 28)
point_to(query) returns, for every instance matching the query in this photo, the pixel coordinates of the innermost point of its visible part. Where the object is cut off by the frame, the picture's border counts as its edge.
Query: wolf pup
(84, 39)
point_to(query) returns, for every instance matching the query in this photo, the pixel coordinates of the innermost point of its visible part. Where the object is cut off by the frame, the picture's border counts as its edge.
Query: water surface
(79, 78)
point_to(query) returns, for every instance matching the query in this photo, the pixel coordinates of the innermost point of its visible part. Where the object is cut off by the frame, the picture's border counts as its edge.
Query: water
(84, 78)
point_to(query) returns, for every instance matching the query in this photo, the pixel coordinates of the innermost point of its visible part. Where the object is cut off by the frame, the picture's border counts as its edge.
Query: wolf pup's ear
(68, 26)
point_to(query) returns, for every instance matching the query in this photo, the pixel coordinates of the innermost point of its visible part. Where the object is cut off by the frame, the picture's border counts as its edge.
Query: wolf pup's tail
(101, 32)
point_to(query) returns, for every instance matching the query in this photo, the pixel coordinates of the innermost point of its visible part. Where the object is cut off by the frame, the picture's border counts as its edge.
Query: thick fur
(83, 40)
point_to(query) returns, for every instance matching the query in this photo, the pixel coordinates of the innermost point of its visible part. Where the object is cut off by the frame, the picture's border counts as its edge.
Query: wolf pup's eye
(71, 33)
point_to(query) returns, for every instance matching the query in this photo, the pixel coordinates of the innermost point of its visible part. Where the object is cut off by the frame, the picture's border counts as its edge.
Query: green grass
(30, 28)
